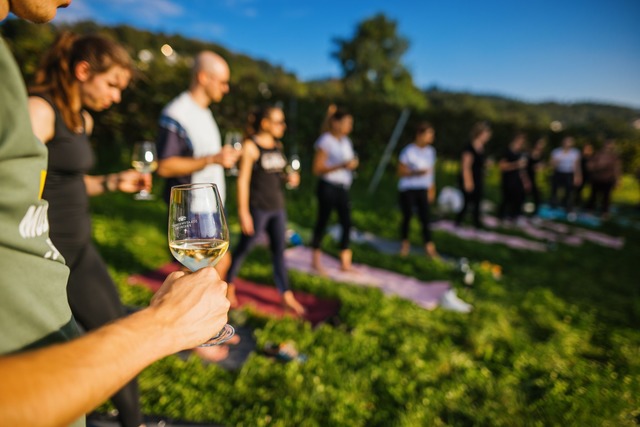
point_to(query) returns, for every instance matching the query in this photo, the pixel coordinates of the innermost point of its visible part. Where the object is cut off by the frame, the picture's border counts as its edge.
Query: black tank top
(265, 192)
(477, 166)
(70, 158)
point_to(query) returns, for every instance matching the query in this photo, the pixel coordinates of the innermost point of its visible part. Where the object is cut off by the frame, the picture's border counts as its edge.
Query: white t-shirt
(204, 136)
(418, 158)
(565, 160)
(338, 151)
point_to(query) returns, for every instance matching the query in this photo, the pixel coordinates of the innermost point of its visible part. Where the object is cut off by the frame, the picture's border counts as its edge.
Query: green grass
(554, 342)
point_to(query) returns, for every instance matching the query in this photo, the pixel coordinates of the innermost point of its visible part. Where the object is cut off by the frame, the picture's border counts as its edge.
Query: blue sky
(567, 50)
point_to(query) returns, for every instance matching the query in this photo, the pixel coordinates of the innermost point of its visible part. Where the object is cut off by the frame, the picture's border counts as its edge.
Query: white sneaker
(450, 301)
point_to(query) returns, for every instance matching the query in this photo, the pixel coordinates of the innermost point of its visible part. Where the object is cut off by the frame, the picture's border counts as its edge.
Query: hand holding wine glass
(233, 140)
(145, 160)
(198, 233)
(293, 172)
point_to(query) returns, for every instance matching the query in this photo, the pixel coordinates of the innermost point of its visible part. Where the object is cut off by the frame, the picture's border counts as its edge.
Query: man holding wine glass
(49, 376)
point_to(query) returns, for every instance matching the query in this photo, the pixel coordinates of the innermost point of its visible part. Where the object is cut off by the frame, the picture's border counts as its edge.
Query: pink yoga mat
(263, 299)
(425, 294)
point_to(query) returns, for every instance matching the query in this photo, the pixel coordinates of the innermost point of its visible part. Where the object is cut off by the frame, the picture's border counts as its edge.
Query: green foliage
(372, 67)
(554, 342)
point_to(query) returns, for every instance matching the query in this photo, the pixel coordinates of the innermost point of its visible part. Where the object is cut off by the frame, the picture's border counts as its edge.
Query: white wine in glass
(145, 160)
(198, 233)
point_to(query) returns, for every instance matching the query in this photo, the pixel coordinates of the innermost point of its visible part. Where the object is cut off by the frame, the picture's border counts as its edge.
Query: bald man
(189, 143)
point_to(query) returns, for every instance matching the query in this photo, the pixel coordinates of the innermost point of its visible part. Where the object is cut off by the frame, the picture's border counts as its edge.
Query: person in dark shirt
(534, 164)
(514, 182)
(261, 204)
(472, 166)
(82, 72)
(605, 170)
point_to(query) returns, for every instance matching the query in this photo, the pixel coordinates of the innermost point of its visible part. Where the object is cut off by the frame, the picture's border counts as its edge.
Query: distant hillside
(255, 81)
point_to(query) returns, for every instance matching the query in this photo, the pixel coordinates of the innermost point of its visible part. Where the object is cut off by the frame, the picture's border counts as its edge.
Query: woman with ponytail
(76, 74)
(334, 162)
(261, 205)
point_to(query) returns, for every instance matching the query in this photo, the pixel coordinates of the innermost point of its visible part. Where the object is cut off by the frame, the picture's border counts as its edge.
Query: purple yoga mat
(425, 294)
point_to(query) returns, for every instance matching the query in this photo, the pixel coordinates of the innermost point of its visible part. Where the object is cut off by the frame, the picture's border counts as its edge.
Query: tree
(372, 67)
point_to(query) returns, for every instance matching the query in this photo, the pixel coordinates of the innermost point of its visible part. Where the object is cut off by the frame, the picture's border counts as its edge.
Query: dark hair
(334, 114)
(478, 128)
(255, 118)
(55, 75)
(423, 126)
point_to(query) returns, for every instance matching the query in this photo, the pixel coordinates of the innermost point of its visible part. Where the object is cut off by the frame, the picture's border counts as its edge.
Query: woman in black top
(77, 73)
(534, 164)
(261, 197)
(472, 172)
(514, 179)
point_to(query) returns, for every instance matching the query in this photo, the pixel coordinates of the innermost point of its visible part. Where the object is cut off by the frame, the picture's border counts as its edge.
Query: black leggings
(601, 190)
(274, 223)
(410, 200)
(94, 302)
(512, 199)
(472, 198)
(565, 181)
(332, 197)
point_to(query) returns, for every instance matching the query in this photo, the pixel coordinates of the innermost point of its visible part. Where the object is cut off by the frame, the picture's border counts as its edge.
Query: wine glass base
(142, 196)
(223, 336)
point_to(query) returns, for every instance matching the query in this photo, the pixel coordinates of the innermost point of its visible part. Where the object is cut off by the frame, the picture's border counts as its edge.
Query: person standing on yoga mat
(261, 204)
(417, 186)
(76, 73)
(514, 181)
(49, 374)
(472, 164)
(189, 143)
(334, 162)
(567, 174)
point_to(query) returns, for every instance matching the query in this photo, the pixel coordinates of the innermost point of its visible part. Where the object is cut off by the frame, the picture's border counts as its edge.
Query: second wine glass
(198, 233)
(145, 160)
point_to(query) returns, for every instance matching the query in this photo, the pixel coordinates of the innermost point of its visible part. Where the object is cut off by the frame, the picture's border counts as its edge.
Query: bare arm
(404, 170)
(67, 380)
(467, 175)
(42, 118)
(320, 164)
(181, 166)
(249, 156)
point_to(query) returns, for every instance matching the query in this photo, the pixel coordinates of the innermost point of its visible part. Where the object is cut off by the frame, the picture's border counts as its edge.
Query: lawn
(555, 341)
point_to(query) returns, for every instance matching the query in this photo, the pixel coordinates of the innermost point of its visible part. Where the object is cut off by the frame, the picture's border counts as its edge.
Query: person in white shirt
(334, 162)
(417, 188)
(567, 173)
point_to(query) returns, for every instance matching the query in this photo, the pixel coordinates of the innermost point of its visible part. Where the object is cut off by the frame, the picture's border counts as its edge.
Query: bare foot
(215, 353)
(430, 249)
(291, 302)
(404, 248)
(231, 295)
(345, 259)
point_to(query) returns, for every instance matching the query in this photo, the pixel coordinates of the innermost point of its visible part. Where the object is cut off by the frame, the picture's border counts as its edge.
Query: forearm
(68, 380)
(99, 184)
(181, 166)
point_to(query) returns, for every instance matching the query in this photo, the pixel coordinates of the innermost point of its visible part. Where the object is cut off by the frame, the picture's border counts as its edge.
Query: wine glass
(145, 160)
(234, 140)
(198, 233)
(293, 166)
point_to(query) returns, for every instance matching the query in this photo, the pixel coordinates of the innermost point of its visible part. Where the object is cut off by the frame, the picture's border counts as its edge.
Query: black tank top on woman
(265, 191)
(70, 158)
(477, 166)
